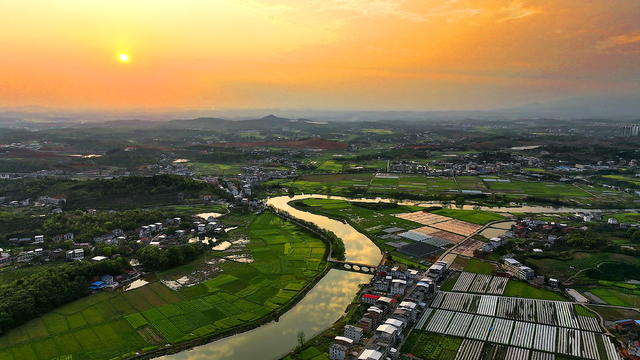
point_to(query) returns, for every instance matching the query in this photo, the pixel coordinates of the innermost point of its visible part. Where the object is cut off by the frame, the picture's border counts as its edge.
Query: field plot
(537, 355)
(450, 237)
(459, 324)
(480, 284)
(589, 345)
(501, 331)
(437, 301)
(497, 286)
(470, 350)
(439, 321)
(424, 318)
(464, 281)
(423, 217)
(487, 305)
(523, 334)
(610, 348)
(569, 342)
(468, 247)
(514, 353)
(426, 230)
(545, 339)
(589, 323)
(480, 327)
(457, 227)
(516, 308)
(111, 325)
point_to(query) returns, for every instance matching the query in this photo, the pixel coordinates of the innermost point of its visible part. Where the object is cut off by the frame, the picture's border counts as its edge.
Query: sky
(320, 54)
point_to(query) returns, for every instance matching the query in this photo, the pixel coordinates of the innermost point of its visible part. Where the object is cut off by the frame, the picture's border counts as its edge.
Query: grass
(563, 268)
(614, 314)
(479, 217)
(522, 289)
(581, 310)
(479, 267)
(619, 297)
(111, 324)
(627, 217)
(429, 346)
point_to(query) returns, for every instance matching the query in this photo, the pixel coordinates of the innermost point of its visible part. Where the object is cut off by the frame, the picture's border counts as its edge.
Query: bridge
(353, 266)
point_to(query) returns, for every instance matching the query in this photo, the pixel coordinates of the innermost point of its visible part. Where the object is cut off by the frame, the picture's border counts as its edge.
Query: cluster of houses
(395, 298)
(628, 330)
(451, 168)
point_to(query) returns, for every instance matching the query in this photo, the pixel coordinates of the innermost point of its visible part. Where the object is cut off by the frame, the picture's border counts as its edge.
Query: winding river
(326, 302)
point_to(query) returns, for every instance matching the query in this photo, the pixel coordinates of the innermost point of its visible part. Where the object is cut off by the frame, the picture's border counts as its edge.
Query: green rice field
(113, 325)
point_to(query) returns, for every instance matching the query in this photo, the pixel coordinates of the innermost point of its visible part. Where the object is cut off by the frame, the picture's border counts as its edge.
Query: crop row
(557, 313)
(479, 283)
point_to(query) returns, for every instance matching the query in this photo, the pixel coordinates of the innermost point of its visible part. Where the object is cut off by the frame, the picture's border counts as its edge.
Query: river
(319, 309)
(327, 301)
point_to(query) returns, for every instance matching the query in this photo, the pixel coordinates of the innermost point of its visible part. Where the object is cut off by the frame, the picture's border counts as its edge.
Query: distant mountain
(611, 107)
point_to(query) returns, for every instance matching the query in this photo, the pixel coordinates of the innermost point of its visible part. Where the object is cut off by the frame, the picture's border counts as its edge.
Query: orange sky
(347, 54)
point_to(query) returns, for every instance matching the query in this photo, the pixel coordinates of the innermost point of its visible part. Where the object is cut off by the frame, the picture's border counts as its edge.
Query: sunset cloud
(624, 42)
(391, 54)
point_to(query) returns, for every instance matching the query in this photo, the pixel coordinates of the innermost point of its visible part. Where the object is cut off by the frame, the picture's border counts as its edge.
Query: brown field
(457, 227)
(423, 218)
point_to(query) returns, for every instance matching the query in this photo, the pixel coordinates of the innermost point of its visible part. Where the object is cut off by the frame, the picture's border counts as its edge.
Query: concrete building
(398, 286)
(76, 254)
(515, 268)
(340, 348)
(353, 332)
(370, 354)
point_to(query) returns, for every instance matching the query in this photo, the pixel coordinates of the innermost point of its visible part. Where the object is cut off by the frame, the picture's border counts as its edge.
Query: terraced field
(117, 324)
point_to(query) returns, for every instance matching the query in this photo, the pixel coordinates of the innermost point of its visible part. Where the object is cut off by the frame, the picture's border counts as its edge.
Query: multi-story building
(353, 332)
(340, 348)
(515, 268)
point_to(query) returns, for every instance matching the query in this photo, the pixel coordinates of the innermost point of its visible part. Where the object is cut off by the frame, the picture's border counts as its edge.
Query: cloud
(624, 42)
(517, 10)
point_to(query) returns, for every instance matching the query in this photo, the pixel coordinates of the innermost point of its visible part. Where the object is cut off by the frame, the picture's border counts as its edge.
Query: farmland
(446, 188)
(117, 324)
(488, 324)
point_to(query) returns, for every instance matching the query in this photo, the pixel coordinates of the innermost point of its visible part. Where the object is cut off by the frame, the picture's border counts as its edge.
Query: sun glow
(123, 58)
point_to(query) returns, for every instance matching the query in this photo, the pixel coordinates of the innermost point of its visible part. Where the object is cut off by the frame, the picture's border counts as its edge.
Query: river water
(326, 302)
(319, 309)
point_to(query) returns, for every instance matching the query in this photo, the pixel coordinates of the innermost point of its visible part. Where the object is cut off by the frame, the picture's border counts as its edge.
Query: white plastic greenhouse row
(545, 338)
(459, 324)
(537, 355)
(522, 335)
(569, 342)
(439, 321)
(531, 310)
(464, 281)
(610, 348)
(497, 286)
(589, 323)
(514, 353)
(519, 334)
(470, 350)
(516, 308)
(480, 283)
(423, 319)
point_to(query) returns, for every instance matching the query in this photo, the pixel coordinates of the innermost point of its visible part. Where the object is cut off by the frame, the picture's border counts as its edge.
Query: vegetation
(473, 216)
(29, 297)
(522, 289)
(119, 193)
(431, 346)
(156, 258)
(479, 267)
(117, 324)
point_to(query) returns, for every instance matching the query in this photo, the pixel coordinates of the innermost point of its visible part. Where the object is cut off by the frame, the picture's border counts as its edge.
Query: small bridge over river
(353, 266)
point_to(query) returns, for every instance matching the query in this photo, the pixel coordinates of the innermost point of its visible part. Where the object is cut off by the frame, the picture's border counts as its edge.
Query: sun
(124, 58)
